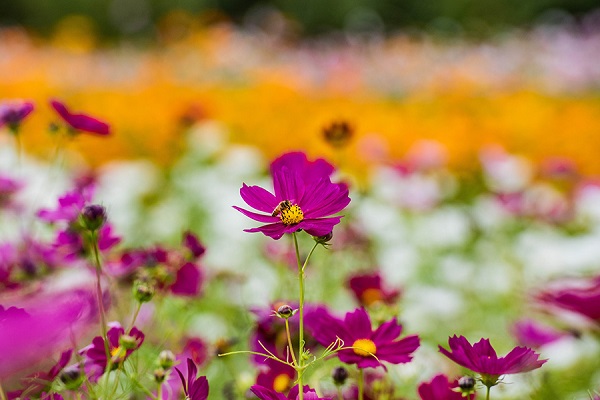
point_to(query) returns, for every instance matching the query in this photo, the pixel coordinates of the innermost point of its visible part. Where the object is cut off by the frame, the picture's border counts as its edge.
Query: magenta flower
(356, 332)
(530, 333)
(482, 358)
(40, 382)
(80, 122)
(120, 346)
(368, 289)
(32, 336)
(305, 198)
(195, 388)
(583, 299)
(267, 394)
(275, 376)
(439, 388)
(12, 113)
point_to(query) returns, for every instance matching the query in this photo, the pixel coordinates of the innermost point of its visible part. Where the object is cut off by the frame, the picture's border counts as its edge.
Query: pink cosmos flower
(13, 112)
(582, 298)
(530, 333)
(267, 394)
(482, 358)
(80, 122)
(368, 289)
(440, 388)
(95, 361)
(304, 198)
(195, 388)
(29, 337)
(40, 382)
(356, 332)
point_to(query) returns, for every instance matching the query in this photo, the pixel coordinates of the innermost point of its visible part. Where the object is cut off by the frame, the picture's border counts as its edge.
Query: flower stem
(289, 339)
(2, 395)
(361, 384)
(159, 391)
(135, 315)
(487, 396)
(94, 236)
(301, 267)
(301, 319)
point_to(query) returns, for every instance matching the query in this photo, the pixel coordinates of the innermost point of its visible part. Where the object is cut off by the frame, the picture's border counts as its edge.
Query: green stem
(301, 320)
(289, 339)
(361, 384)
(301, 268)
(487, 396)
(159, 391)
(2, 395)
(340, 395)
(135, 315)
(94, 236)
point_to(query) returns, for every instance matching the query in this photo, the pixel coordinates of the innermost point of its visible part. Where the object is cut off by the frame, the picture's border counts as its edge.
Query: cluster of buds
(166, 360)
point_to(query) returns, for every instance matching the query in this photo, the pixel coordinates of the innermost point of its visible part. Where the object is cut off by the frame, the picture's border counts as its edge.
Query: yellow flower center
(364, 347)
(116, 351)
(291, 215)
(371, 296)
(281, 383)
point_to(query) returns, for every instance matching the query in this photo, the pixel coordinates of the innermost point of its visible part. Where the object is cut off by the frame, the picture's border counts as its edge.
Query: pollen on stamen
(291, 215)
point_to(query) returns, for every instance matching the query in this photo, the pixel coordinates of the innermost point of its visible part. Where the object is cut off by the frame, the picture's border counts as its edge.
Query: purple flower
(583, 299)
(188, 280)
(27, 338)
(356, 332)
(304, 198)
(41, 381)
(120, 346)
(275, 375)
(80, 122)
(439, 388)
(12, 113)
(69, 207)
(482, 358)
(196, 350)
(368, 289)
(267, 394)
(195, 388)
(532, 334)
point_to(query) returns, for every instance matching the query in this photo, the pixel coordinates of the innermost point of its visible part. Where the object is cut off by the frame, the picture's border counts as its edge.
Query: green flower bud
(71, 377)
(159, 375)
(339, 375)
(128, 342)
(166, 359)
(143, 291)
(93, 217)
(285, 312)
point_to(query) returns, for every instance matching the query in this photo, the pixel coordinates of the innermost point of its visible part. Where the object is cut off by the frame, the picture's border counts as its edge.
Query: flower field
(237, 215)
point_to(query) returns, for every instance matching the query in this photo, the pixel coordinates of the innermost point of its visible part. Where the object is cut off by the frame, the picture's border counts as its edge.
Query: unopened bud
(285, 312)
(466, 384)
(339, 375)
(166, 359)
(93, 217)
(324, 239)
(128, 342)
(71, 377)
(143, 291)
(159, 375)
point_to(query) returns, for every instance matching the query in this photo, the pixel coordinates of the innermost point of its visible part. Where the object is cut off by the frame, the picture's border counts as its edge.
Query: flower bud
(166, 359)
(466, 384)
(93, 217)
(159, 375)
(143, 291)
(285, 312)
(339, 375)
(324, 239)
(128, 342)
(71, 377)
